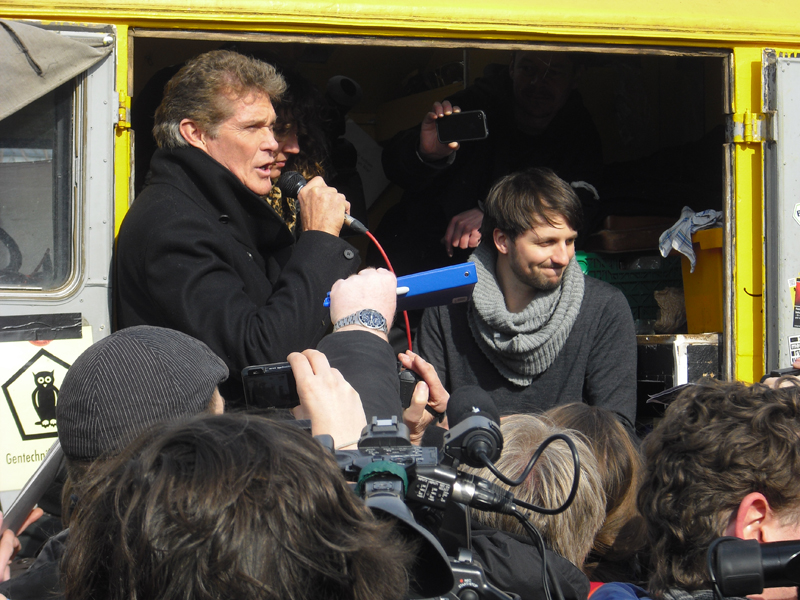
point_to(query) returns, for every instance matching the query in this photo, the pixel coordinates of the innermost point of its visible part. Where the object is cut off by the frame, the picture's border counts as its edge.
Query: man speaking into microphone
(201, 251)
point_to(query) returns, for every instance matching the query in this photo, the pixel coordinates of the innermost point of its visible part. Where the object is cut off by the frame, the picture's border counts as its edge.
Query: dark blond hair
(569, 533)
(620, 467)
(204, 91)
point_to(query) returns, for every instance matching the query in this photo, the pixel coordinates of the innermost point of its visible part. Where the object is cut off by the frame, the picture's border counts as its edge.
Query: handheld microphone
(291, 182)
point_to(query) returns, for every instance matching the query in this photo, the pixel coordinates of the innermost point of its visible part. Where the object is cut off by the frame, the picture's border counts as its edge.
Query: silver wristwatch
(368, 317)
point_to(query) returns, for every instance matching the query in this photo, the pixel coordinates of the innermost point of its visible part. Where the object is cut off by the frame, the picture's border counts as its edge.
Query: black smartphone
(270, 386)
(462, 127)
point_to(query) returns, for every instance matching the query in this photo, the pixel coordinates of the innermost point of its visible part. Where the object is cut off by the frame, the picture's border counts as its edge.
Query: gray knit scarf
(522, 345)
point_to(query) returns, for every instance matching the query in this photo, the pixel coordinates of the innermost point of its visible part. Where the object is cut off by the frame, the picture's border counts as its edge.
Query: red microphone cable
(389, 265)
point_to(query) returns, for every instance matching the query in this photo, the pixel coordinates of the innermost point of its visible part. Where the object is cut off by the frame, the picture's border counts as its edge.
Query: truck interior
(660, 111)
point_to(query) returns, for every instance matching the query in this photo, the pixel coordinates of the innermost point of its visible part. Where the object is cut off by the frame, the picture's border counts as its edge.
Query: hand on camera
(428, 392)
(430, 148)
(322, 207)
(786, 380)
(332, 405)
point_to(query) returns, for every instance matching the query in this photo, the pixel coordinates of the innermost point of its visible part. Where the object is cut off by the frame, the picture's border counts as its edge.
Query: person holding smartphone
(535, 118)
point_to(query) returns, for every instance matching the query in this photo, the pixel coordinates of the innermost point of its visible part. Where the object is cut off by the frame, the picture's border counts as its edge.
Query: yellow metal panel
(669, 21)
(748, 280)
(122, 141)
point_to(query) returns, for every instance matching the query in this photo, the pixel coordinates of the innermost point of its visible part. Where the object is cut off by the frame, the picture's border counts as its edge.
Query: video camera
(408, 483)
(393, 476)
(385, 458)
(743, 567)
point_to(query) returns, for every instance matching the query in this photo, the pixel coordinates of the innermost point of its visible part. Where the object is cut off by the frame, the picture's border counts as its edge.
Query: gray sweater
(597, 364)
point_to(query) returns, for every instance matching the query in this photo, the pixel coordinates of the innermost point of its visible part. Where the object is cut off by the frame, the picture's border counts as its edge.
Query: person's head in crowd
(221, 102)
(542, 83)
(229, 506)
(530, 220)
(569, 533)
(126, 383)
(300, 129)
(724, 460)
(620, 467)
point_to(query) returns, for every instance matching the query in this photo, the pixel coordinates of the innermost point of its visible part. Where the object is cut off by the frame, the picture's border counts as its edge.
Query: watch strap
(367, 317)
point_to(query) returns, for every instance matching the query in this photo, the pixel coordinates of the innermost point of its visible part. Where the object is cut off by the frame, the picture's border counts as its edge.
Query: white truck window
(35, 193)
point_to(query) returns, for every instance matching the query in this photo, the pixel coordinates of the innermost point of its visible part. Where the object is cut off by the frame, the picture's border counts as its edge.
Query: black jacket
(514, 564)
(201, 253)
(369, 364)
(42, 580)
(411, 231)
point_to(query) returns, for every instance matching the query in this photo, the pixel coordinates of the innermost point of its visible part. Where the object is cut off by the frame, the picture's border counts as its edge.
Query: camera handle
(470, 580)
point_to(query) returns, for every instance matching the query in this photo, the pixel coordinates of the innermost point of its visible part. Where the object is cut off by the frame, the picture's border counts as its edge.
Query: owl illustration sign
(31, 377)
(32, 395)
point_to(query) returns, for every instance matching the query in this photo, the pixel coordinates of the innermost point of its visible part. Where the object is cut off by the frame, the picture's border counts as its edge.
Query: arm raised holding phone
(442, 129)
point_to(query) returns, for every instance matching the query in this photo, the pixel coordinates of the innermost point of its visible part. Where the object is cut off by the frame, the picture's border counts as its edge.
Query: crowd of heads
(229, 506)
(238, 505)
(205, 505)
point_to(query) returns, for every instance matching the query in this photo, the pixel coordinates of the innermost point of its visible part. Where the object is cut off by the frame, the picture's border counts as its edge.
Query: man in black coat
(200, 251)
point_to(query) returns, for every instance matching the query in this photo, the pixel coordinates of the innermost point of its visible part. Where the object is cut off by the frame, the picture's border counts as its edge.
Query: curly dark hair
(304, 108)
(229, 506)
(718, 442)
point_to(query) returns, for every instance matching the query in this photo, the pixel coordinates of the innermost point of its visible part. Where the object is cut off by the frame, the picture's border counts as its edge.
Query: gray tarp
(34, 61)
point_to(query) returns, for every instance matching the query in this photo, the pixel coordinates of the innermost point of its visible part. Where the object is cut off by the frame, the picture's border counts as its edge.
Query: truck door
(781, 83)
(57, 114)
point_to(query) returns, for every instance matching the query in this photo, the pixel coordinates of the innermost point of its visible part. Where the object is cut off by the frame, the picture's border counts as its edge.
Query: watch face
(372, 319)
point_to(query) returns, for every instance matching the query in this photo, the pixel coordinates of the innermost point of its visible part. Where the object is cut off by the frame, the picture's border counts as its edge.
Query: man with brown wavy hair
(201, 252)
(724, 461)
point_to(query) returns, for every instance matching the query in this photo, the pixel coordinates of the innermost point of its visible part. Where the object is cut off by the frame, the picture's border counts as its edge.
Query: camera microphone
(468, 401)
(291, 182)
(474, 431)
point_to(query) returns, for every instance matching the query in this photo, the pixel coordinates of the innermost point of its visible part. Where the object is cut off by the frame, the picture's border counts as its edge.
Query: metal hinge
(123, 122)
(750, 128)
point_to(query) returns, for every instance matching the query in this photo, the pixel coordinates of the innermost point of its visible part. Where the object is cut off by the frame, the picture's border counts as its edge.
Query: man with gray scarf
(537, 332)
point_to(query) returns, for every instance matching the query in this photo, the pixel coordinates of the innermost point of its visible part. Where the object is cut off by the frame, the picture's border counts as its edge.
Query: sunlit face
(288, 146)
(245, 143)
(538, 257)
(543, 82)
